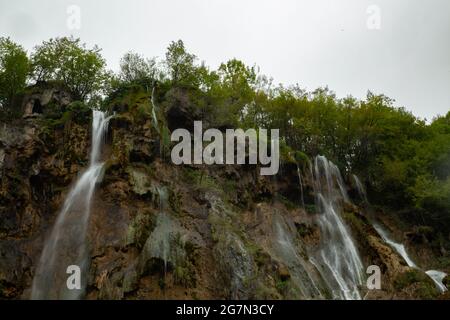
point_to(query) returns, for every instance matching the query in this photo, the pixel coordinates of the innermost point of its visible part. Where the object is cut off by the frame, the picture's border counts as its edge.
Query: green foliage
(136, 69)
(403, 161)
(424, 286)
(82, 70)
(14, 70)
(180, 64)
(282, 285)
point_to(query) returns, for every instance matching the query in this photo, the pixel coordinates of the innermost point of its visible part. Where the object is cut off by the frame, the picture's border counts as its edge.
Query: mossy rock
(139, 180)
(446, 281)
(301, 158)
(140, 229)
(416, 281)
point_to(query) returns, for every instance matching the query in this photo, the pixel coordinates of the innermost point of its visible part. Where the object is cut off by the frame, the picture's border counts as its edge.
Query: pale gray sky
(310, 42)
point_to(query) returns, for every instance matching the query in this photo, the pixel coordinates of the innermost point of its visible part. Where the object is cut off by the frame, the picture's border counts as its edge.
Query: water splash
(337, 259)
(438, 277)
(66, 244)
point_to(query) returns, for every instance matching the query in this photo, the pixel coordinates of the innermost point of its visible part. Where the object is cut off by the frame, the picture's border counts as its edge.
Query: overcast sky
(310, 42)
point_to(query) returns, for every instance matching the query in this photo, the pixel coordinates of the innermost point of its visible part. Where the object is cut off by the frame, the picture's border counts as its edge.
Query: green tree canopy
(14, 70)
(82, 70)
(180, 65)
(135, 68)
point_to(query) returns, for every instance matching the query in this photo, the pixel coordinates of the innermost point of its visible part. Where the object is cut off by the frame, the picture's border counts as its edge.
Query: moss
(282, 285)
(355, 223)
(230, 185)
(175, 201)
(162, 283)
(303, 230)
(424, 286)
(184, 276)
(140, 229)
(260, 257)
(264, 292)
(200, 179)
(444, 262)
(184, 265)
(288, 203)
(139, 180)
(301, 158)
(310, 208)
(446, 282)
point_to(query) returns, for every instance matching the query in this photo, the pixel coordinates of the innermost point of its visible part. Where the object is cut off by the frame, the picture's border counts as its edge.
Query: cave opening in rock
(37, 107)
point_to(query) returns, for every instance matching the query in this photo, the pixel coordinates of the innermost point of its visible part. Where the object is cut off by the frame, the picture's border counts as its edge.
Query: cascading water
(158, 244)
(66, 244)
(438, 277)
(300, 181)
(360, 188)
(337, 259)
(286, 251)
(398, 247)
(161, 235)
(435, 275)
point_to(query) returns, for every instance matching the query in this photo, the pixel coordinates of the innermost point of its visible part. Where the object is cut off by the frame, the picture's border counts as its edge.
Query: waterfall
(435, 275)
(337, 259)
(300, 182)
(360, 188)
(158, 244)
(66, 244)
(163, 225)
(400, 248)
(154, 117)
(438, 277)
(286, 251)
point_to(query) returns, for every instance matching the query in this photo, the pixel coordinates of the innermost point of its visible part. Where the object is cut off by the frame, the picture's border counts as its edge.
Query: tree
(14, 70)
(237, 75)
(80, 69)
(135, 68)
(180, 65)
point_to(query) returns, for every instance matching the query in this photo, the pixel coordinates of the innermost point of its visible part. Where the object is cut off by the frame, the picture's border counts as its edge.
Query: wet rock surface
(221, 232)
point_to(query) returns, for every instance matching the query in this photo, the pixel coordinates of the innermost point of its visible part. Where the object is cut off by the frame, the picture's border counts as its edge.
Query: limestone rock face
(160, 231)
(38, 161)
(38, 102)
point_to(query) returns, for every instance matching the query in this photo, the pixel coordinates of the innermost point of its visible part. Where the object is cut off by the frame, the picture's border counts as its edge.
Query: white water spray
(66, 244)
(400, 248)
(300, 181)
(438, 277)
(286, 251)
(338, 259)
(435, 275)
(361, 189)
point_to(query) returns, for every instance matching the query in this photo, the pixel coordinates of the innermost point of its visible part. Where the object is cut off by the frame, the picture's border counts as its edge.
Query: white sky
(310, 42)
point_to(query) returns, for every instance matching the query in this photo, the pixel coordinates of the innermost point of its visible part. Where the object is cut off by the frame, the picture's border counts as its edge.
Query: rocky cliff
(160, 231)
